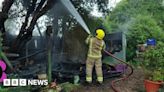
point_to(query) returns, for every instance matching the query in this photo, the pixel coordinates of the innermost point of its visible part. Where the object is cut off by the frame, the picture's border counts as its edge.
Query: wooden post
(49, 66)
(49, 49)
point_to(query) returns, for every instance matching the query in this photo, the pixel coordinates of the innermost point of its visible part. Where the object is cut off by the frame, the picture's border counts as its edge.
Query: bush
(142, 28)
(153, 62)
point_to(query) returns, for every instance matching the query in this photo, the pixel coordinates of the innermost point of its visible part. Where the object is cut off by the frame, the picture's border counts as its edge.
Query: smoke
(124, 27)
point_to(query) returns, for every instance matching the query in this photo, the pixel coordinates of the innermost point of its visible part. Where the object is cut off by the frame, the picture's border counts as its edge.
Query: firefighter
(96, 45)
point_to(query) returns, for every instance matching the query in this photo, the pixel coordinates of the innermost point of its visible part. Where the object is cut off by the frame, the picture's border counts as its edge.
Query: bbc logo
(14, 82)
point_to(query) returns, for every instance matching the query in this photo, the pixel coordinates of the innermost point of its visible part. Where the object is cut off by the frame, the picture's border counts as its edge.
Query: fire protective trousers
(90, 63)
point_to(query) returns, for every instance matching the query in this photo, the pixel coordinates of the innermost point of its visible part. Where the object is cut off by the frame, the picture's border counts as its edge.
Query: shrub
(153, 62)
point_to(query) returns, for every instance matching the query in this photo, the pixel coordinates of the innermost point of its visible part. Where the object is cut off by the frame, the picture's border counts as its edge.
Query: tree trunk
(4, 14)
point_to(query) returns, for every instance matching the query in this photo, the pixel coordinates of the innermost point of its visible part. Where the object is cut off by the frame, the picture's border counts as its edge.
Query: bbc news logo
(24, 82)
(18, 82)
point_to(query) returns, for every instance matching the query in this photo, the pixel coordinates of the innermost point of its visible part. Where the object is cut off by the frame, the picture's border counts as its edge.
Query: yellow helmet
(100, 33)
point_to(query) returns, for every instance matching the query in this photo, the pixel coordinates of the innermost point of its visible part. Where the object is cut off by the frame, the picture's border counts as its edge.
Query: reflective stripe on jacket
(95, 47)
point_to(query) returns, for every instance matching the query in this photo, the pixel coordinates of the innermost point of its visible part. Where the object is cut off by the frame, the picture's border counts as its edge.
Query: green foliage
(3, 89)
(119, 14)
(16, 89)
(128, 9)
(153, 62)
(93, 23)
(107, 24)
(85, 7)
(142, 28)
(140, 19)
(68, 87)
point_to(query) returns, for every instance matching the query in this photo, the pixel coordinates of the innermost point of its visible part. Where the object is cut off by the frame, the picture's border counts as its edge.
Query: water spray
(74, 12)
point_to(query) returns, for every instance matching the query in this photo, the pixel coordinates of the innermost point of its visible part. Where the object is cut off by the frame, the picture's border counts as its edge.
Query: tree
(4, 13)
(36, 11)
(140, 30)
(84, 7)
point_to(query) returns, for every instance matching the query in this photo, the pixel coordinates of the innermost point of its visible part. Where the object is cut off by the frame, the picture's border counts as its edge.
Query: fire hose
(123, 78)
